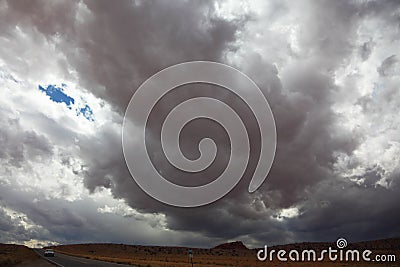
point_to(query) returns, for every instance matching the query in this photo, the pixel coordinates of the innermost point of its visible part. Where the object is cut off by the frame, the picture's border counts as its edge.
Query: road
(69, 261)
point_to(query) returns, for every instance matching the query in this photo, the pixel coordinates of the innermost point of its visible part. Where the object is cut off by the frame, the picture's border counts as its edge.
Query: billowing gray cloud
(20, 146)
(388, 66)
(314, 67)
(366, 49)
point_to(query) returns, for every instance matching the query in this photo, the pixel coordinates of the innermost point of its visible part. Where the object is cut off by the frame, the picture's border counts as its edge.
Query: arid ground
(231, 254)
(21, 256)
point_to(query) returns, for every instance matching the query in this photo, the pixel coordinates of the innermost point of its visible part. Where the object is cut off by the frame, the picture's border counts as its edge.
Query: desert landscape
(229, 254)
(21, 256)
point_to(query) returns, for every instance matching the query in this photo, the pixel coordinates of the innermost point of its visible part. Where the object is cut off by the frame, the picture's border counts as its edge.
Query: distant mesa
(237, 245)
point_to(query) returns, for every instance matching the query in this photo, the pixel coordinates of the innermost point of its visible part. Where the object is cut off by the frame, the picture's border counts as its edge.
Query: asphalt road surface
(69, 261)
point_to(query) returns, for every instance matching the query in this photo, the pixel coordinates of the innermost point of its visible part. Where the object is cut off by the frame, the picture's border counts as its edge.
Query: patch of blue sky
(86, 111)
(57, 94)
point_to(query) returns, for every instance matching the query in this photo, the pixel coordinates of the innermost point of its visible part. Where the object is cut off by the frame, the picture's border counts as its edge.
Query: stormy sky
(329, 69)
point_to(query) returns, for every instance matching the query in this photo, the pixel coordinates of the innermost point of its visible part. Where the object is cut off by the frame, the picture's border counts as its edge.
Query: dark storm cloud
(6, 223)
(358, 212)
(366, 49)
(11, 229)
(114, 47)
(303, 172)
(387, 66)
(19, 146)
(309, 138)
(117, 47)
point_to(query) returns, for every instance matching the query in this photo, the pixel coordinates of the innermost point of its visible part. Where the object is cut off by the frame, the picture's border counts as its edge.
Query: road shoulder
(36, 263)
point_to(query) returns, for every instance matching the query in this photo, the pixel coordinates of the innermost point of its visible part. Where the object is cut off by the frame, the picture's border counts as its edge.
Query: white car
(49, 253)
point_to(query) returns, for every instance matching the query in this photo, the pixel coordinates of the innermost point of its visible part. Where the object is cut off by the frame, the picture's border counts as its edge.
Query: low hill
(237, 245)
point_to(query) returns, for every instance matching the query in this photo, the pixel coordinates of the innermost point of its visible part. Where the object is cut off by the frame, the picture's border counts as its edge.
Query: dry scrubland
(232, 254)
(11, 255)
